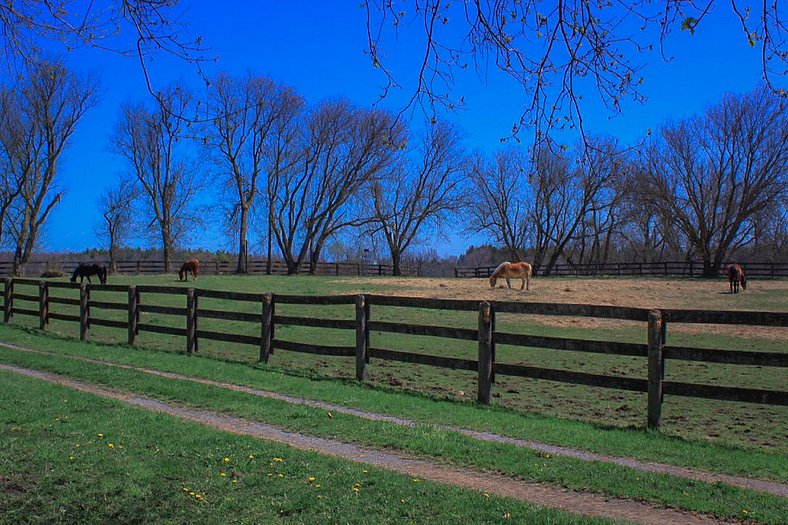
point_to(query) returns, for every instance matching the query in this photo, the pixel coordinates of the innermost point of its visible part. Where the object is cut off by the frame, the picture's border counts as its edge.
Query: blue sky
(318, 49)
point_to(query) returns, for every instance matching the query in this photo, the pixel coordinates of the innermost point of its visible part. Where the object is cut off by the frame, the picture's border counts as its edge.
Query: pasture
(723, 422)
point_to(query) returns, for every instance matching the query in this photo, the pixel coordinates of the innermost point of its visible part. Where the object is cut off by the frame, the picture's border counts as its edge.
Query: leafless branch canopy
(555, 50)
(136, 28)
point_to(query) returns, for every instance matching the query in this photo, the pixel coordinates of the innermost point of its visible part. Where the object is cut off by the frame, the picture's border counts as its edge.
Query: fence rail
(758, 270)
(254, 266)
(656, 351)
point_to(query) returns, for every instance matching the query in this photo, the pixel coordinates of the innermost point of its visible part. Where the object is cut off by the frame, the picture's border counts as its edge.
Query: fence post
(8, 299)
(43, 304)
(132, 314)
(191, 321)
(84, 312)
(485, 353)
(267, 331)
(655, 368)
(362, 337)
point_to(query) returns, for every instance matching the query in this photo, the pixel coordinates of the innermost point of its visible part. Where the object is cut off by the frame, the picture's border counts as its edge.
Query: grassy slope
(69, 457)
(717, 499)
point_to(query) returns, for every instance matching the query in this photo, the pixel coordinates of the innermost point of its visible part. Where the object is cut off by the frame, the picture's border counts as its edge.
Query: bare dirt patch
(649, 293)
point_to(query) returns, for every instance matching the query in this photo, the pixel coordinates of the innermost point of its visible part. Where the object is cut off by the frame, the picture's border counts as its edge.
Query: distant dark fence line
(757, 270)
(254, 266)
(655, 351)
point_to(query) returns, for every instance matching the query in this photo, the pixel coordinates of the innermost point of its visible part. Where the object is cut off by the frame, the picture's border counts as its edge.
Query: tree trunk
(396, 262)
(242, 245)
(167, 252)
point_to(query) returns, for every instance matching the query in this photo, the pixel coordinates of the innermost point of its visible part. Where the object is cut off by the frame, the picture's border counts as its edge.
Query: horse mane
(500, 268)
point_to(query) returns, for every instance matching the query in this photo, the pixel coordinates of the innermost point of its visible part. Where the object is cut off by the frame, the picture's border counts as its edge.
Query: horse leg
(508, 283)
(522, 285)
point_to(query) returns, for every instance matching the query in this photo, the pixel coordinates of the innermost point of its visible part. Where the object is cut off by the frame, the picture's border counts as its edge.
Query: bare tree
(41, 114)
(244, 116)
(116, 207)
(714, 174)
(566, 196)
(554, 49)
(603, 170)
(151, 142)
(316, 172)
(420, 192)
(497, 199)
(10, 143)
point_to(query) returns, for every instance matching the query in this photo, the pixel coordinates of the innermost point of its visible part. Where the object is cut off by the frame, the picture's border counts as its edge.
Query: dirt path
(772, 487)
(576, 502)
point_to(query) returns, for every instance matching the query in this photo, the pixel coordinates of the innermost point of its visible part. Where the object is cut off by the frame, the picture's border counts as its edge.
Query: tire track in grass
(588, 504)
(760, 485)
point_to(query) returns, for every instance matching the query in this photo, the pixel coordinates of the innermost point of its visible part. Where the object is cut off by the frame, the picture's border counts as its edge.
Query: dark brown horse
(88, 269)
(735, 277)
(193, 266)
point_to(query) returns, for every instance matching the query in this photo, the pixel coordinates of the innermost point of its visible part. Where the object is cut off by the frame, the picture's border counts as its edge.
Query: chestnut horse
(735, 277)
(193, 266)
(88, 269)
(508, 270)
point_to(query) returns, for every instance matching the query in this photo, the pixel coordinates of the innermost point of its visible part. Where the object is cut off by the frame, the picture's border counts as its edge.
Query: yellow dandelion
(270, 475)
(222, 474)
(402, 501)
(486, 494)
(356, 489)
(235, 481)
(71, 457)
(278, 460)
(311, 478)
(110, 445)
(365, 471)
(745, 511)
(317, 485)
(192, 494)
(184, 489)
(280, 475)
(226, 460)
(100, 435)
(251, 456)
(198, 497)
(507, 516)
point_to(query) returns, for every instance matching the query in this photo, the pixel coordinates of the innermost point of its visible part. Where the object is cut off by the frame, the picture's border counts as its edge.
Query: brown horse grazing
(735, 277)
(508, 270)
(88, 269)
(193, 266)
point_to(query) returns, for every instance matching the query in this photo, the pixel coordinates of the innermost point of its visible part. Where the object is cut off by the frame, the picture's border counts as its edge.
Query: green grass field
(70, 457)
(55, 468)
(718, 421)
(74, 427)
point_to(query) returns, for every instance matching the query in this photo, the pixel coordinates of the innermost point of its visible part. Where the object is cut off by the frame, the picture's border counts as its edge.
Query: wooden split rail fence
(656, 351)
